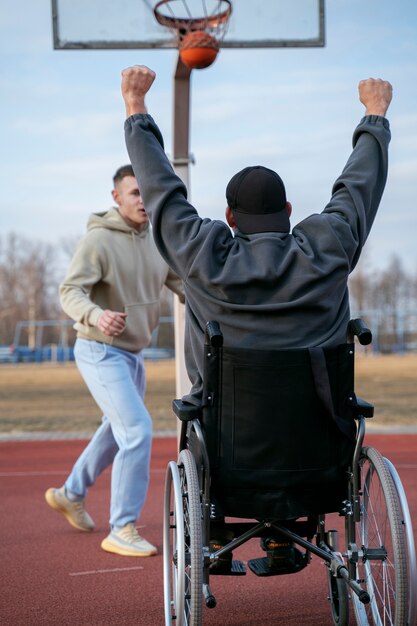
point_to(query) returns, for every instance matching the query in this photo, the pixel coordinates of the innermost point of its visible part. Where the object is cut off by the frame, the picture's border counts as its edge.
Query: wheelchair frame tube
(352, 512)
(323, 554)
(333, 560)
(235, 543)
(355, 468)
(196, 426)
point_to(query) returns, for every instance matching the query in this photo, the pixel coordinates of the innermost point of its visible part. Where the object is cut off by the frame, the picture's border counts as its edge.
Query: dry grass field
(48, 398)
(390, 383)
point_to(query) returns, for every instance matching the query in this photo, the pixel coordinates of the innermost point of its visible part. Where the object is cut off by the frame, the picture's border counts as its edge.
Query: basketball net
(198, 37)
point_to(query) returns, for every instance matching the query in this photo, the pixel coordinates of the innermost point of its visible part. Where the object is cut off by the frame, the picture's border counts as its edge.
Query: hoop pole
(180, 162)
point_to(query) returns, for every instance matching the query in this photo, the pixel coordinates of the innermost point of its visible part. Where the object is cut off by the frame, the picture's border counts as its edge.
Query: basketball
(198, 49)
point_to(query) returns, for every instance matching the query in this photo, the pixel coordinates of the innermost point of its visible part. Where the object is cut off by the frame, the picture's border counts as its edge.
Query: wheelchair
(276, 445)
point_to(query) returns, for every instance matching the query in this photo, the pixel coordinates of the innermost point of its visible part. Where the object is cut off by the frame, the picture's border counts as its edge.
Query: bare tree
(359, 288)
(30, 273)
(28, 284)
(67, 247)
(393, 299)
(362, 285)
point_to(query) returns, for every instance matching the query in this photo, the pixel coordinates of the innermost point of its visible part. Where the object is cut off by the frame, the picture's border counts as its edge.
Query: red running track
(52, 575)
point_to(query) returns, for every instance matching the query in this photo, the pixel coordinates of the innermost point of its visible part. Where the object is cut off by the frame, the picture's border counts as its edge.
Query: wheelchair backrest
(279, 429)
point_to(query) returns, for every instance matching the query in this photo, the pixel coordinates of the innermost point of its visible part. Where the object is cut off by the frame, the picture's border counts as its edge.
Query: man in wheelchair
(267, 286)
(269, 429)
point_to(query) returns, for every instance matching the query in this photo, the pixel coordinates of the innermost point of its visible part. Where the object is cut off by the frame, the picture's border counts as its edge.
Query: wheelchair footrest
(231, 568)
(263, 567)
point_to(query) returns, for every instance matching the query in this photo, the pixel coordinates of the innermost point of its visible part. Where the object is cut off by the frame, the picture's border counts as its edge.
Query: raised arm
(179, 232)
(357, 192)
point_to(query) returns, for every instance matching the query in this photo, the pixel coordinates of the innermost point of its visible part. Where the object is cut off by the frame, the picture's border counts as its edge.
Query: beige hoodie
(115, 267)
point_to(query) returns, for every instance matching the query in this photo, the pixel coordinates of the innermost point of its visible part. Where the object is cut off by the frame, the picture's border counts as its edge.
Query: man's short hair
(123, 172)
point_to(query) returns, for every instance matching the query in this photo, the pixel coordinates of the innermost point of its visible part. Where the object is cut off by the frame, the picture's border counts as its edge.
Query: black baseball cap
(257, 198)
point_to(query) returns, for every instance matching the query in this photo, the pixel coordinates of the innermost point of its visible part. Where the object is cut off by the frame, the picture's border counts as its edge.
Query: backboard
(123, 24)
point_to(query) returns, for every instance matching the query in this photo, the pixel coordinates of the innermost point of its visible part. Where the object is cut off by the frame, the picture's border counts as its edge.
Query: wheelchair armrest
(213, 335)
(359, 329)
(185, 411)
(363, 408)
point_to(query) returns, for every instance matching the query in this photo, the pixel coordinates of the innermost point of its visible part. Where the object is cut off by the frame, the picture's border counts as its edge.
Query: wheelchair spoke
(380, 535)
(189, 577)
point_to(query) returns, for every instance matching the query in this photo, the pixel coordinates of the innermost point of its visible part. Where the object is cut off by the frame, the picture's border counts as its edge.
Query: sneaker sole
(50, 499)
(107, 546)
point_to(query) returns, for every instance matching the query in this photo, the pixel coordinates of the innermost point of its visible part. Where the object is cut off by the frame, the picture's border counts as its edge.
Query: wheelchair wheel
(409, 543)
(383, 568)
(339, 600)
(183, 557)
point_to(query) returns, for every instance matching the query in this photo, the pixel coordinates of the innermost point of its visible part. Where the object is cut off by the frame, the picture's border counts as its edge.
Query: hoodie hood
(112, 220)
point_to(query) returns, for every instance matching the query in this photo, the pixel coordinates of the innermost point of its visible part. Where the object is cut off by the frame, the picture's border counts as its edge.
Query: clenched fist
(112, 322)
(136, 82)
(375, 95)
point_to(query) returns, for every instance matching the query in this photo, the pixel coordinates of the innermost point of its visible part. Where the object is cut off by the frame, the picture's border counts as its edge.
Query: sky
(294, 110)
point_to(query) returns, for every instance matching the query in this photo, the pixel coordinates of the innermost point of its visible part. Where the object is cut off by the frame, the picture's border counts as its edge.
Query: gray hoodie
(267, 290)
(118, 268)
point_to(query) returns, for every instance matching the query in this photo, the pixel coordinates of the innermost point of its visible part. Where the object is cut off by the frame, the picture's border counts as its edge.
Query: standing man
(112, 291)
(267, 287)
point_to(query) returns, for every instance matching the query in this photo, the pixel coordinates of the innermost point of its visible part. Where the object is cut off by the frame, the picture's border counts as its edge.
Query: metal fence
(36, 341)
(53, 340)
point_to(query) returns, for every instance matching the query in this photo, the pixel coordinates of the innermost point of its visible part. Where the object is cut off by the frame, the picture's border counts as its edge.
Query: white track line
(55, 473)
(106, 571)
(398, 466)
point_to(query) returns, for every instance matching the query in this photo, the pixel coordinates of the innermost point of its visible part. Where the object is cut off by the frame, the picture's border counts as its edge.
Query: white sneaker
(75, 512)
(127, 542)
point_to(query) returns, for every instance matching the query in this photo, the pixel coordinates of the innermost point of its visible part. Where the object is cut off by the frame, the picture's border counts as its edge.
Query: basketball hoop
(198, 37)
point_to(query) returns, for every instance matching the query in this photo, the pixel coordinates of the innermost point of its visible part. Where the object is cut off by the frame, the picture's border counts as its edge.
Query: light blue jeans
(116, 380)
